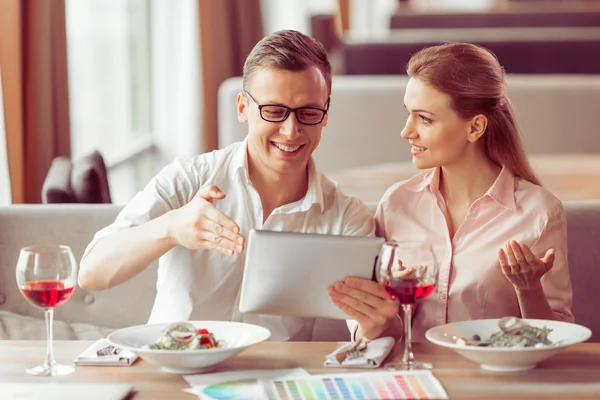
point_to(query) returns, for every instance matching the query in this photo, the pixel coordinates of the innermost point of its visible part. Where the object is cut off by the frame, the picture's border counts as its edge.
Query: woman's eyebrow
(419, 110)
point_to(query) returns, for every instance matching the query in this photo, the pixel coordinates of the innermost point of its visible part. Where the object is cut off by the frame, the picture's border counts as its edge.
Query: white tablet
(288, 273)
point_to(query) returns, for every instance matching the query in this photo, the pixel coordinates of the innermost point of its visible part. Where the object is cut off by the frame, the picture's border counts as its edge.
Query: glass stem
(49, 316)
(408, 357)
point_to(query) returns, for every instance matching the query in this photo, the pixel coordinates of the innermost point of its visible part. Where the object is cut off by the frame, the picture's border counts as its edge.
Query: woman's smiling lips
(416, 150)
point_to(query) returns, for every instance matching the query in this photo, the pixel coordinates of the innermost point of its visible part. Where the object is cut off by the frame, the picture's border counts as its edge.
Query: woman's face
(438, 135)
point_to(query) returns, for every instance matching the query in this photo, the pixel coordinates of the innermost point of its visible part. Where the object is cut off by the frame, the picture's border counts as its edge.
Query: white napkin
(90, 356)
(371, 357)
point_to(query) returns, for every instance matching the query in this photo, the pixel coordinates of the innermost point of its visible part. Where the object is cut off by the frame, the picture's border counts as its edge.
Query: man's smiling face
(283, 147)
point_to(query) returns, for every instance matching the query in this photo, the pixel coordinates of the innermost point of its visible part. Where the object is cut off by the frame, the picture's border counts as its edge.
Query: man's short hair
(288, 50)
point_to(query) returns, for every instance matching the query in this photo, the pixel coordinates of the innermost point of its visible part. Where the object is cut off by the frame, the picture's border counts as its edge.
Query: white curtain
(5, 192)
(176, 83)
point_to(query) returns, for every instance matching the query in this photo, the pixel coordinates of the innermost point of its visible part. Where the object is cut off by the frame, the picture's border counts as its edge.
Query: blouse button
(443, 296)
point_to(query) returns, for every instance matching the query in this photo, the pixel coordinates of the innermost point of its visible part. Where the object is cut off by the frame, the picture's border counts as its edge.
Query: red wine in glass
(46, 294)
(408, 273)
(408, 291)
(46, 277)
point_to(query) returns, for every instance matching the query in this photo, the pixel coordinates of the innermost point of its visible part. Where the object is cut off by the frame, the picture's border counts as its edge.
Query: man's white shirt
(205, 285)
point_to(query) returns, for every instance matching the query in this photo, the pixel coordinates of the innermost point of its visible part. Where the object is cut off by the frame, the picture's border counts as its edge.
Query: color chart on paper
(234, 390)
(360, 386)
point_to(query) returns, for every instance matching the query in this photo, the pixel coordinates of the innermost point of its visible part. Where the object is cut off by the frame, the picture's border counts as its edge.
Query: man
(194, 214)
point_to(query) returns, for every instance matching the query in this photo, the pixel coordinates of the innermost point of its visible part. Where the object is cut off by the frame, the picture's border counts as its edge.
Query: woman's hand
(367, 303)
(522, 268)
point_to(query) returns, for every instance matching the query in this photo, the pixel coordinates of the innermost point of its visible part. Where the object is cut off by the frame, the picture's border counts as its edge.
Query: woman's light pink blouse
(471, 284)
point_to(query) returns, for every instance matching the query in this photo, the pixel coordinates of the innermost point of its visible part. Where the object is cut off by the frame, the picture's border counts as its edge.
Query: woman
(499, 238)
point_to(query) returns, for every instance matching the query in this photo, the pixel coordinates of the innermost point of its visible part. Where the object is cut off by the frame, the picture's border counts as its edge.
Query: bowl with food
(508, 344)
(188, 347)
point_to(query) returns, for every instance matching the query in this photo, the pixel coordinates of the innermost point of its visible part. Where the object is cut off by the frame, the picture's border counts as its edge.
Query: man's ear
(242, 107)
(477, 127)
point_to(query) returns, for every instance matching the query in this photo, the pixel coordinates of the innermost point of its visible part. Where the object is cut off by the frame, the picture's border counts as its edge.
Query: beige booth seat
(87, 315)
(557, 114)
(90, 315)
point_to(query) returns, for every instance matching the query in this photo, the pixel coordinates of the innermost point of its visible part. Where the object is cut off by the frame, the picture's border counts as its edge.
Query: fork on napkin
(102, 353)
(361, 354)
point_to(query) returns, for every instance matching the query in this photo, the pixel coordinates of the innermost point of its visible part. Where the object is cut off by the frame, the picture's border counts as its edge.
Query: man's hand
(200, 225)
(367, 303)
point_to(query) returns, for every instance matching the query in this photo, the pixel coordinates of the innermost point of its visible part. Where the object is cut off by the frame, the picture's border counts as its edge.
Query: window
(108, 53)
(5, 191)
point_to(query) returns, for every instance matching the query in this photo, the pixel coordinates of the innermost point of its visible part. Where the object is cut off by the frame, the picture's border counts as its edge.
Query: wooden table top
(573, 373)
(567, 176)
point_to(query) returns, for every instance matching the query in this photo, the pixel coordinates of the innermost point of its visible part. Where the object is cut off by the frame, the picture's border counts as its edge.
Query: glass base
(410, 366)
(52, 369)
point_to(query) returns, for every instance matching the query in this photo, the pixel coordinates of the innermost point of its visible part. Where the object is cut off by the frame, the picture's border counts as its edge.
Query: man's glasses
(277, 113)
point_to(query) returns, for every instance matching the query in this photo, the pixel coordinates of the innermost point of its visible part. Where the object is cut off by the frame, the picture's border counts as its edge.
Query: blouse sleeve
(557, 281)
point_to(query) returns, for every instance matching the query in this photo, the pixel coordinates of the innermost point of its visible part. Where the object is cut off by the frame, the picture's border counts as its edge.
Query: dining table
(572, 373)
(567, 176)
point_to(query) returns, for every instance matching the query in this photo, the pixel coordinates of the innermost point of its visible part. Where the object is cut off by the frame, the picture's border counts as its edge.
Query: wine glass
(46, 276)
(408, 273)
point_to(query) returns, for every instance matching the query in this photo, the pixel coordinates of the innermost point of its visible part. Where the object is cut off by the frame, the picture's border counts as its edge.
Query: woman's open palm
(522, 268)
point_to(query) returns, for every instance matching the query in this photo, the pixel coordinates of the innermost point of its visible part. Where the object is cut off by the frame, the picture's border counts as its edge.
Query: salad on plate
(184, 336)
(514, 332)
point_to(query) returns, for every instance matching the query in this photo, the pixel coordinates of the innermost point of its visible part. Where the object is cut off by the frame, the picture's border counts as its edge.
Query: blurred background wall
(138, 81)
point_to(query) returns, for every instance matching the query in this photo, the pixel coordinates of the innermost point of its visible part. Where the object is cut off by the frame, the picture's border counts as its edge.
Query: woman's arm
(540, 275)
(533, 304)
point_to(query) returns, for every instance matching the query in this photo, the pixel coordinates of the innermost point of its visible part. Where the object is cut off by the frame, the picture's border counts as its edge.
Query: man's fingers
(361, 296)
(220, 224)
(219, 230)
(352, 312)
(207, 244)
(210, 192)
(360, 311)
(215, 241)
(225, 223)
(366, 285)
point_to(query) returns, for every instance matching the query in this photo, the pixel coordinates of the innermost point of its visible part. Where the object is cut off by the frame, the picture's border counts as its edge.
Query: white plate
(236, 335)
(501, 359)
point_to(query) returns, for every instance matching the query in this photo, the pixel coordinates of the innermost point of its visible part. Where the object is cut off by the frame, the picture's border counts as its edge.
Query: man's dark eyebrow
(420, 111)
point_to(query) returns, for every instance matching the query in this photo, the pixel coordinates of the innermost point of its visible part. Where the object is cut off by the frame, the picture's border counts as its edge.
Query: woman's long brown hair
(474, 80)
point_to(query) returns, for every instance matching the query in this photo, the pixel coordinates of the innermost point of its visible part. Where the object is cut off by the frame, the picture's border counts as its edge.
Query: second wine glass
(408, 273)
